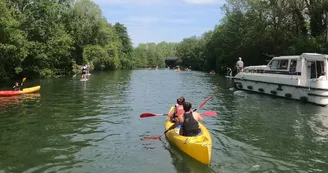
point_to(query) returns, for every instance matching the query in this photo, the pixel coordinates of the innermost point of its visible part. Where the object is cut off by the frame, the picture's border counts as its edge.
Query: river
(94, 126)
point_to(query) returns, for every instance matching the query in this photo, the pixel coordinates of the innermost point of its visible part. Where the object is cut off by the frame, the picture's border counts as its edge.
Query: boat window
(283, 64)
(317, 67)
(279, 64)
(293, 64)
(320, 67)
(274, 64)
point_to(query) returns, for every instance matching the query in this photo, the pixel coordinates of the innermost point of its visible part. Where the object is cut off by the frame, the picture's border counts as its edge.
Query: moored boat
(295, 77)
(198, 147)
(24, 91)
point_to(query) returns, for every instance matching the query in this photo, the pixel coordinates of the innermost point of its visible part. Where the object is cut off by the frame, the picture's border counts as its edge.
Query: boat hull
(24, 91)
(302, 93)
(199, 147)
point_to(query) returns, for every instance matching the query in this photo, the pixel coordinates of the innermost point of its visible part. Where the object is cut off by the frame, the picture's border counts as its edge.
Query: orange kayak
(5, 93)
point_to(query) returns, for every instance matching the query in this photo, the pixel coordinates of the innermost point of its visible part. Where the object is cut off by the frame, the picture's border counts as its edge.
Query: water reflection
(319, 125)
(94, 126)
(7, 102)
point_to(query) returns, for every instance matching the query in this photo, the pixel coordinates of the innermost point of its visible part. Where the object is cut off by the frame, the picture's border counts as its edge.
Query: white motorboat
(294, 77)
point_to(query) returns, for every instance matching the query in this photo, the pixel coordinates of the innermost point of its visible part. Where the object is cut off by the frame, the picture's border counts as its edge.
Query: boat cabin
(307, 66)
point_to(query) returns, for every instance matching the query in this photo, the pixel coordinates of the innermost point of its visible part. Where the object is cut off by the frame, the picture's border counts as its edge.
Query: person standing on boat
(240, 65)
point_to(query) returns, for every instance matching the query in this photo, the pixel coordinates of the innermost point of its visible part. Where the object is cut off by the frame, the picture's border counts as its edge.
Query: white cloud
(204, 1)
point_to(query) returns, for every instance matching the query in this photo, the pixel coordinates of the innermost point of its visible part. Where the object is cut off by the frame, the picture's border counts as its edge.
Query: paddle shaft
(167, 114)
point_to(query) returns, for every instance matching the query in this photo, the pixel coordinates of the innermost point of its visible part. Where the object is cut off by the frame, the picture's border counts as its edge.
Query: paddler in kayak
(17, 87)
(178, 109)
(189, 122)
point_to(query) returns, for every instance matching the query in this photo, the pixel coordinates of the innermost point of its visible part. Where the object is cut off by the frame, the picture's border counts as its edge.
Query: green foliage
(52, 38)
(256, 30)
(12, 43)
(151, 54)
(98, 57)
(44, 38)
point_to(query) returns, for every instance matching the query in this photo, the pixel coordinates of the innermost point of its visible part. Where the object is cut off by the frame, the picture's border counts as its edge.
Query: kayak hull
(199, 147)
(24, 91)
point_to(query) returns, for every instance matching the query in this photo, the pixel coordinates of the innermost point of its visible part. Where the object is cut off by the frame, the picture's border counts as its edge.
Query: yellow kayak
(199, 147)
(31, 89)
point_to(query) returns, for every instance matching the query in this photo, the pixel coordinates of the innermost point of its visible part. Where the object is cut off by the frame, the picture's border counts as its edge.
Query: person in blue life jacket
(84, 71)
(229, 71)
(17, 87)
(189, 121)
(88, 69)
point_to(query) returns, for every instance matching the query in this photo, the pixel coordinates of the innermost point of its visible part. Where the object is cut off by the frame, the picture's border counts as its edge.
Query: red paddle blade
(201, 105)
(153, 137)
(147, 114)
(209, 113)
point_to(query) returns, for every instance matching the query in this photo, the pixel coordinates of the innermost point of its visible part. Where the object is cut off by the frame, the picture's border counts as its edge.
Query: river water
(94, 126)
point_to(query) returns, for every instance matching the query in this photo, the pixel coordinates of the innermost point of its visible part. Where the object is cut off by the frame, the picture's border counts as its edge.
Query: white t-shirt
(240, 64)
(322, 78)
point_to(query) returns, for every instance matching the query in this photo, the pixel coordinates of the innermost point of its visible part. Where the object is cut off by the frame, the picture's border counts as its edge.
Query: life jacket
(179, 109)
(84, 68)
(190, 126)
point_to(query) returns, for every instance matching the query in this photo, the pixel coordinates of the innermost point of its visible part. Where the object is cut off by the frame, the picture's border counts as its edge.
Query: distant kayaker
(189, 121)
(17, 87)
(178, 109)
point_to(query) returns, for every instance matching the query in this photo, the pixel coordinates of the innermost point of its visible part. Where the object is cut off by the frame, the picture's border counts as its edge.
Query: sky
(163, 20)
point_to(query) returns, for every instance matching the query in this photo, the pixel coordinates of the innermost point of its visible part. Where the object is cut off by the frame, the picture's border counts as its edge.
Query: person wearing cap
(240, 65)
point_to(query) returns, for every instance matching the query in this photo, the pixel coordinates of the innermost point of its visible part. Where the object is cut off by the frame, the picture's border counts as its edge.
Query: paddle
(149, 114)
(201, 105)
(23, 80)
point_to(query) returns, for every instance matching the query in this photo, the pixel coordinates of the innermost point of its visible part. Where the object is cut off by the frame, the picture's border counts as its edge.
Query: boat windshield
(279, 64)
